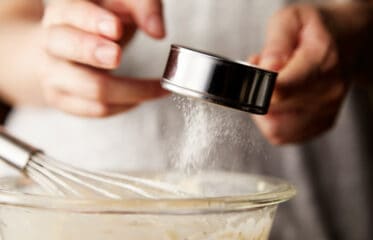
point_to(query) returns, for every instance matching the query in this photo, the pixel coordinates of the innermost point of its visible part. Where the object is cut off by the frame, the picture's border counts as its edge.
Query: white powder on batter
(208, 129)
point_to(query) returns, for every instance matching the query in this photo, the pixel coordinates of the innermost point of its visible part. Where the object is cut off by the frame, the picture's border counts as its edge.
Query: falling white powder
(208, 128)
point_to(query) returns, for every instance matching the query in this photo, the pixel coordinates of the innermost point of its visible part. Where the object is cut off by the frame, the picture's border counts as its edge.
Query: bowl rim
(282, 192)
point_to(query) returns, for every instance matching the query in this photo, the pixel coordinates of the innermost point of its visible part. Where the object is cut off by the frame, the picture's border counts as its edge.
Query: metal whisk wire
(61, 179)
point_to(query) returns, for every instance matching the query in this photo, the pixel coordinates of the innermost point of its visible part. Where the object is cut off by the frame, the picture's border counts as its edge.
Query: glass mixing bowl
(233, 206)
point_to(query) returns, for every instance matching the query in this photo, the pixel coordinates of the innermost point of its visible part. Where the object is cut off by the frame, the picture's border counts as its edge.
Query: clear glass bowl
(234, 206)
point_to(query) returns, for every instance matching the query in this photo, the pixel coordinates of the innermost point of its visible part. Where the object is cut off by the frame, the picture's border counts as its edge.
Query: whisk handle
(14, 151)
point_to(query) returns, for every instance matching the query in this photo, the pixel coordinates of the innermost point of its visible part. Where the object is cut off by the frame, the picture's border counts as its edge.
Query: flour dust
(211, 134)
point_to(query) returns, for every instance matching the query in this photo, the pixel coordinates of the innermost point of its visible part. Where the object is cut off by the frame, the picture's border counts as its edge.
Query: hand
(82, 42)
(309, 90)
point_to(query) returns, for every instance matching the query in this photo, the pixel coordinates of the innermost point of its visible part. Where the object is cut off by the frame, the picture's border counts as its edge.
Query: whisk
(61, 179)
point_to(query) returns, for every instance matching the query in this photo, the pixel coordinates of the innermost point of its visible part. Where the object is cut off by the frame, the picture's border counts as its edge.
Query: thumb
(148, 14)
(281, 39)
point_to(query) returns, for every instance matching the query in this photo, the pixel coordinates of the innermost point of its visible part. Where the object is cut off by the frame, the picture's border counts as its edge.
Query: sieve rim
(214, 78)
(218, 58)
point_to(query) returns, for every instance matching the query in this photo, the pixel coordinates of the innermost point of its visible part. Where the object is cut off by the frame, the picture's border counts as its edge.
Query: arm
(19, 48)
(317, 50)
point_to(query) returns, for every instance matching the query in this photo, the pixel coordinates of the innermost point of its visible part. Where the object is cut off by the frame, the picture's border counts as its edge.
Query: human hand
(309, 90)
(82, 40)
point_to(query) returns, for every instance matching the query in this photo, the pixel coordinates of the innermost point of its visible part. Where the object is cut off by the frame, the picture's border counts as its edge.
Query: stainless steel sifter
(216, 79)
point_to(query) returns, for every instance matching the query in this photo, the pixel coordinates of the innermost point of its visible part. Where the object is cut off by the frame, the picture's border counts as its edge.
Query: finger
(305, 124)
(329, 89)
(74, 79)
(254, 59)
(83, 107)
(148, 14)
(315, 54)
(86, 16)
(281, 39)
(133, 90)
(99, 86)
(75, 45)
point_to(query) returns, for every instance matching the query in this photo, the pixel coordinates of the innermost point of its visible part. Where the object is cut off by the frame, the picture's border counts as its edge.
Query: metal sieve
(216, 79)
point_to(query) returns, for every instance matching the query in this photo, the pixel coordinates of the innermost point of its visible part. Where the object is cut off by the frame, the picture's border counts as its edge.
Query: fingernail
(106, 54)
(107, 28)
(271, 63)
(155, 25)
